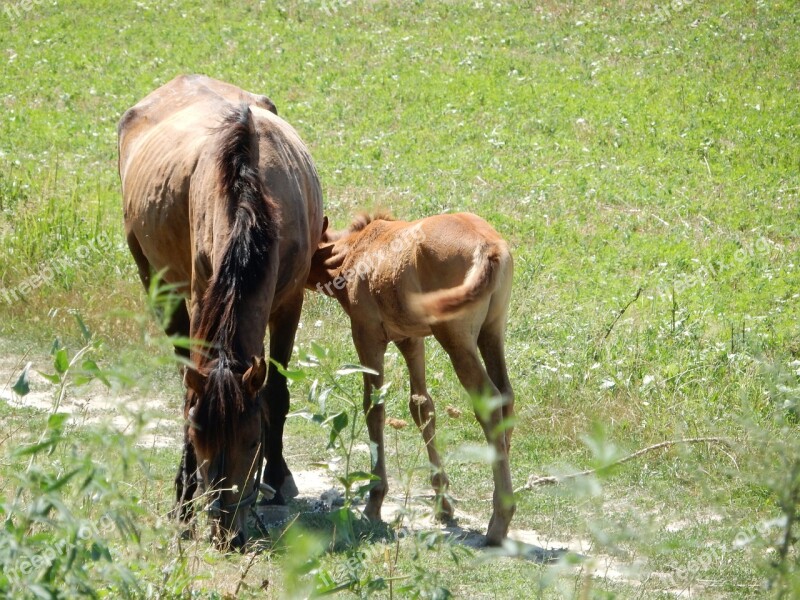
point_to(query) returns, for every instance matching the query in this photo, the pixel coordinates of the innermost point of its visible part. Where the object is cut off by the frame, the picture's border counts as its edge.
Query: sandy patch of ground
(94, 404)
(319, 490)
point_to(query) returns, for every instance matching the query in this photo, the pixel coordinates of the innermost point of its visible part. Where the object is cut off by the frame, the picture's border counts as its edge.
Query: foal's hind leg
(424, 415)
(458, 341)
(490, 343)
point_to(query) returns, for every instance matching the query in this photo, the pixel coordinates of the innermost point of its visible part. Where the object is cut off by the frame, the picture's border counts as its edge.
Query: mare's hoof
(276, 500)
(289, 488)
(273, 514)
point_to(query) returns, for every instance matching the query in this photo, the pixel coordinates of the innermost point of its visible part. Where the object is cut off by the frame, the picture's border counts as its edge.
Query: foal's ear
(323, 236)
(194, 379)
(254, 377)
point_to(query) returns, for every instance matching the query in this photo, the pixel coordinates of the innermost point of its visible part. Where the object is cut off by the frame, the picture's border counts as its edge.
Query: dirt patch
(319, 491)
(93, 403)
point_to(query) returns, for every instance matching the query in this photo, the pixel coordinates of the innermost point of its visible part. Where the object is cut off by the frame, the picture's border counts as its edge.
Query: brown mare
(448, 276)
(221, 197)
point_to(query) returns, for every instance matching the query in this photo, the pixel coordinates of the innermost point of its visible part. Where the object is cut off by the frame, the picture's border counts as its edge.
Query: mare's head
(226, 428)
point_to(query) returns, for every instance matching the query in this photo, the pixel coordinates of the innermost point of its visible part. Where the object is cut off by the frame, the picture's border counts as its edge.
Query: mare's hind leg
(186, 478)
(178, 323)
(282, 329)
(142, 264)
(459, 342)
(178, 326)
(424, 415)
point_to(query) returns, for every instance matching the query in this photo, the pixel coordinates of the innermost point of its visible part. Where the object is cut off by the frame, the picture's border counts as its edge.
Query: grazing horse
(221, 198)
(448, 276)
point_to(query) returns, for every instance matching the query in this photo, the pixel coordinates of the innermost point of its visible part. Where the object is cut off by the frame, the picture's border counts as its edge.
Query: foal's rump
(464, 262)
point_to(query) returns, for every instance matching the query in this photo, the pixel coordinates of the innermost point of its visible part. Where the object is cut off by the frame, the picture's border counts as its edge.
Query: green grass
(615, 150)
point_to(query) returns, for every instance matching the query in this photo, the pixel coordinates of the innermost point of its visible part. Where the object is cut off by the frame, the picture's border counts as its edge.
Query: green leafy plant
(67, 509)
(75, 370)
(776, 467)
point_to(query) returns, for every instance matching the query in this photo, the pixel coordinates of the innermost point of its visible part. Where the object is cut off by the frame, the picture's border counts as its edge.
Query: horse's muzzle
(229, 536)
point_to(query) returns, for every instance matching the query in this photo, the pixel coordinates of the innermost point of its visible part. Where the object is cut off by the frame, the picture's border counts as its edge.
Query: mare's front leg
(371, 349)
(186, 478)
(185, 481)
(282, 329)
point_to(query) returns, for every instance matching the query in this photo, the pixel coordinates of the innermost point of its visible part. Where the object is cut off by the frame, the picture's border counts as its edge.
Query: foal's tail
(481, 279)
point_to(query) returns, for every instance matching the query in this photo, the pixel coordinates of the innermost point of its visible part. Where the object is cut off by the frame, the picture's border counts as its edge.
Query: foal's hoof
(372, 514)
(495, 534)
(444, 512)
(445, 515)
(446, 519)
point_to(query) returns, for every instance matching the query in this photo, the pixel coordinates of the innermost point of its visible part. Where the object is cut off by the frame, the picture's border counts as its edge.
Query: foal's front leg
(371, 350)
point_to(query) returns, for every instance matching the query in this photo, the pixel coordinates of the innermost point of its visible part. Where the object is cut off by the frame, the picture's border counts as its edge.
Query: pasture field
(642, 160)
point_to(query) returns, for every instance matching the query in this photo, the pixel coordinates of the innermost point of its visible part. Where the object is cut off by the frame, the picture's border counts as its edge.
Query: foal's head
(332, 249)
(226, 427)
